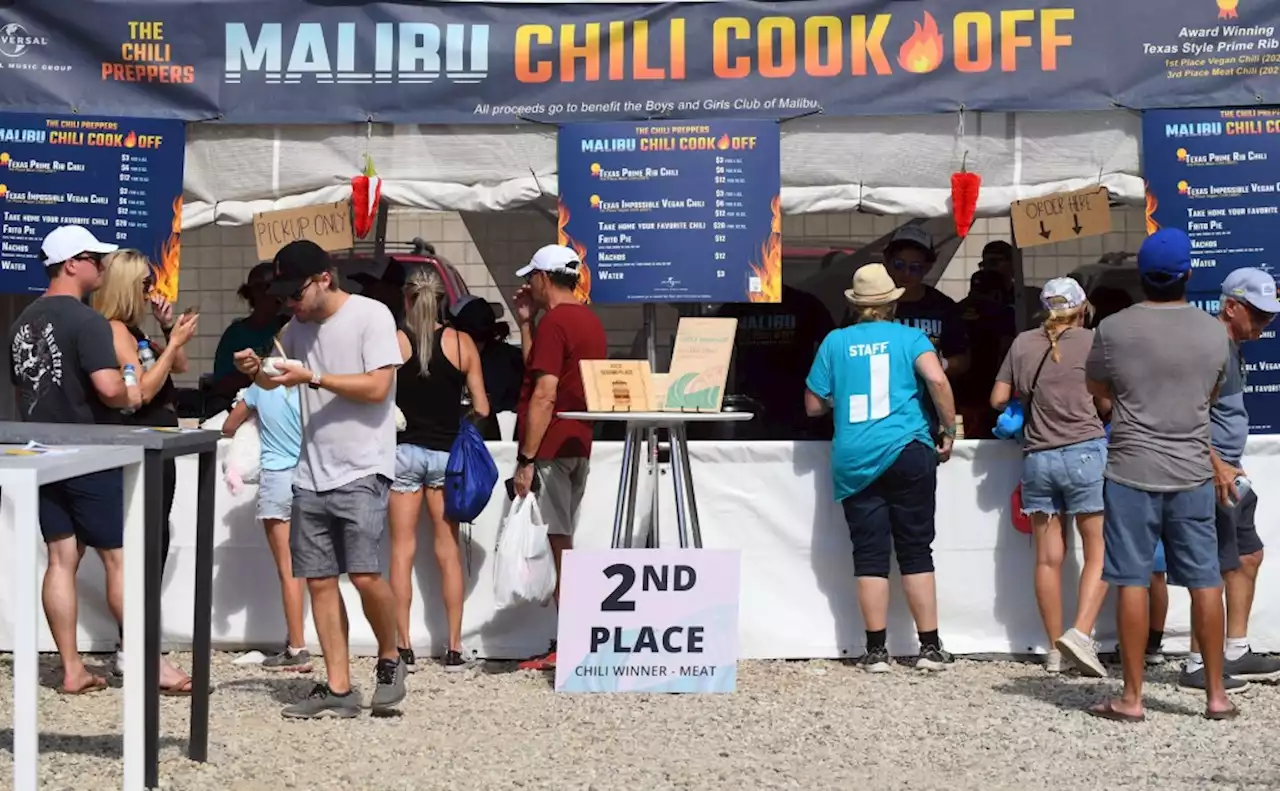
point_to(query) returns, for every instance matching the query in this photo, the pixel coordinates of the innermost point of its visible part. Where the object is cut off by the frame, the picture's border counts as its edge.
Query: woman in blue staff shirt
(874, 375)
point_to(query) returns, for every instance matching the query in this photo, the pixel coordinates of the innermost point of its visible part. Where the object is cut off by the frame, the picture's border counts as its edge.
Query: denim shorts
(1066, 480)
(275, 494)
(1136, 520)
(417, 467)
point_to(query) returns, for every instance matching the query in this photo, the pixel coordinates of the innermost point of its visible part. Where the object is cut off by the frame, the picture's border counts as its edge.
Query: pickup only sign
(648, 620)
(1061, 217)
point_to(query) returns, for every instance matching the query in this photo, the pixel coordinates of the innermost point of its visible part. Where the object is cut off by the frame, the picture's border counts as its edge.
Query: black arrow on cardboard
(1043, 232)
(1075, 218)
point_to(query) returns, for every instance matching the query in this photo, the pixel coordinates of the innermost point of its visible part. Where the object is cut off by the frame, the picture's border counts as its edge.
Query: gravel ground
(803, 725)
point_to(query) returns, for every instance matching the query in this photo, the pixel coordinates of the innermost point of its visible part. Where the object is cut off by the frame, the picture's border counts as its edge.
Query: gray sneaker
(285, 662)
(323, 703)
(1078, 647)
(1253, 667)
(1194, 679)
(389, 685)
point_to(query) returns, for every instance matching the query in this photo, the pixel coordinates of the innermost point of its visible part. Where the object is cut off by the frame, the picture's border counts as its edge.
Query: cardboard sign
(648, 620)
(328, 225)
(616, 385)
(699, 365)
(1061, 217)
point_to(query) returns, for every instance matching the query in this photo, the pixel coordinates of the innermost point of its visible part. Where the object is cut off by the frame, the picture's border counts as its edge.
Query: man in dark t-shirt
(991, 325)
(772, 353)
(63, 367)
(909, 257)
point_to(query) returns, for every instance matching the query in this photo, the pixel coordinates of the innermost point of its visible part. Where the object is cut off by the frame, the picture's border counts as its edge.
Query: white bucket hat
(872, 286)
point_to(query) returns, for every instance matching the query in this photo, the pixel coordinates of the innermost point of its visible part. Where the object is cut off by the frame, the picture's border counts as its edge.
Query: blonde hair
(120, 298)
(1057, 322)
(425, 290)
(875, 312)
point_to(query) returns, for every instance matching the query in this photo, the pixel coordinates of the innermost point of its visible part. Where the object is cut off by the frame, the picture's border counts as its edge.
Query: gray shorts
(564, 482)
(339, 531)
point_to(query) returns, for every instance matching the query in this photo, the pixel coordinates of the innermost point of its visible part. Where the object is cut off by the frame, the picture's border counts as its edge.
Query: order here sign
(648, 620)
(328, 225)
(1061, 217)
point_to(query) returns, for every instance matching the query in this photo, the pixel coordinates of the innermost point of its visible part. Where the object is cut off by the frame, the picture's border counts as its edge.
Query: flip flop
(1105, 711)
(97, 685)
(180, 690)
(1225, 714)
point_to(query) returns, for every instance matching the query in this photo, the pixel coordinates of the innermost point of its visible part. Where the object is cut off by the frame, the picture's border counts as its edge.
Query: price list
(1216, 175)
(119, 177)
(674, 211)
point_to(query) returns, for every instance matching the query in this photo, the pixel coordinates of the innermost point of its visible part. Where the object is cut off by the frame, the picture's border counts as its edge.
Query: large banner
(119, 177)
(297, 61)
(674, 212)
(1216, 175)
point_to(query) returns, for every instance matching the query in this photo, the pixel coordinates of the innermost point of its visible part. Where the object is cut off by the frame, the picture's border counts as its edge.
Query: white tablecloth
(772, 500)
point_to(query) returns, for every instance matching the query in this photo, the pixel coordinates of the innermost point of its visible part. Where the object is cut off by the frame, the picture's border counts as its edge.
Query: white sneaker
(117, 663)
(1079, 649)
(1053, 662)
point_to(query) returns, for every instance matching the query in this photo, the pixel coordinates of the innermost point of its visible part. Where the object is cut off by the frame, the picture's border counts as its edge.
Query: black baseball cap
(295, 264)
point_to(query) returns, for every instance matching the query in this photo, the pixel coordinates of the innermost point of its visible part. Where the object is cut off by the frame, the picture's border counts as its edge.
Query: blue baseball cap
(1164, 256)
(1252, 287)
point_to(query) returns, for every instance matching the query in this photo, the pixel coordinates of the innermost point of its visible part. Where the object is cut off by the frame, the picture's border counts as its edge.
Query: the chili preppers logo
(770, 47)
(145, 55)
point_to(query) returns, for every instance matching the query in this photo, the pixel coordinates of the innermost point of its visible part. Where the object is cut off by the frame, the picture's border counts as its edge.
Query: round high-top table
(638, 424)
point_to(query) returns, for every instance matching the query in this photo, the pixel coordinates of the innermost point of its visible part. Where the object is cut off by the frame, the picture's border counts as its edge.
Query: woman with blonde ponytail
(1065, 455)
(439, 362)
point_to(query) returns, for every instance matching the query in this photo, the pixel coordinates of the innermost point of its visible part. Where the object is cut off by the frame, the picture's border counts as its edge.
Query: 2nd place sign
(648, 620)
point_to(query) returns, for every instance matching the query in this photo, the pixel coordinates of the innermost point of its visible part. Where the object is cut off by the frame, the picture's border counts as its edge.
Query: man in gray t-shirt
(1161, 363)
(343, 355)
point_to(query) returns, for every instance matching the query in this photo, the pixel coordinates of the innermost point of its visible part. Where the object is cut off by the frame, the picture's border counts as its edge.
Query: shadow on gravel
(1079, 696)
(107, 745)
(283, 689)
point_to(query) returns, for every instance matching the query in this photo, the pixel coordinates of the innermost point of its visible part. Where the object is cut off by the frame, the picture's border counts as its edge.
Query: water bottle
(1243, 487)
(130, 380)
(145, 355)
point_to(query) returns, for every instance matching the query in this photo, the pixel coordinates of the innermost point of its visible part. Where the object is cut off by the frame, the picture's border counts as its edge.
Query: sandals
(1107, 711)
(180, 690)
(1225, 714)
(96, 685)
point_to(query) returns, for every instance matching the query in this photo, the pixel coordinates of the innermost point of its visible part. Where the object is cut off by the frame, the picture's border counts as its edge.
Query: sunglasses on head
(913, 268)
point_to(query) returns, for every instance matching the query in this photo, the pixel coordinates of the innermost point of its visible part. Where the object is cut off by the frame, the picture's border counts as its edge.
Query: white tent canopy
(882, 165)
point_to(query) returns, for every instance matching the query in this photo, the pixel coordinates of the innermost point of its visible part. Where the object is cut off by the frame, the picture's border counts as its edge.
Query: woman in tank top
(124, 298)
(439, 362)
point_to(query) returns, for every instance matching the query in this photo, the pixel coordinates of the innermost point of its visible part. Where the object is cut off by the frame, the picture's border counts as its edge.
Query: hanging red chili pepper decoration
(366, 194)
(964, 197)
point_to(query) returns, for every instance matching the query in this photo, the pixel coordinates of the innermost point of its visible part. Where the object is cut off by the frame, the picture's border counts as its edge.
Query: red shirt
(568, 334)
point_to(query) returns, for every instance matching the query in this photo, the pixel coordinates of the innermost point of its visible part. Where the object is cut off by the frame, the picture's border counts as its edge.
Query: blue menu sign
(674, 211)
(119, 177)
(1216, 175)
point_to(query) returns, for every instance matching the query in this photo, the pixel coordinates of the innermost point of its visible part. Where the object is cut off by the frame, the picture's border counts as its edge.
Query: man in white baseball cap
(553, 259)
(64, 367)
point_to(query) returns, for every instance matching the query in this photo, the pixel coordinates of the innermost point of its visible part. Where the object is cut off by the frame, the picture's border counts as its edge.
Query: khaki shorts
(564, 482)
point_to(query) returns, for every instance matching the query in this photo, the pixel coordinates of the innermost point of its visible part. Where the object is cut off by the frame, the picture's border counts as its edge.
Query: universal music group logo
(402, 52)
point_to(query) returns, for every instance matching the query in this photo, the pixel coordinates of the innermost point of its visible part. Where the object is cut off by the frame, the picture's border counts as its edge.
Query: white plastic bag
(525, 569)
(241, 463)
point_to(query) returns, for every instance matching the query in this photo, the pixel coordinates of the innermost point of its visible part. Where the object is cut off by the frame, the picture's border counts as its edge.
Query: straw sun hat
(872, 286)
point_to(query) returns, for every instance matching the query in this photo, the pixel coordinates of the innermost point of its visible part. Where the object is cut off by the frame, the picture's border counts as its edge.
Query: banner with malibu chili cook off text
(119, 177)
(1216, 175)
(673, 211)
(302, 62)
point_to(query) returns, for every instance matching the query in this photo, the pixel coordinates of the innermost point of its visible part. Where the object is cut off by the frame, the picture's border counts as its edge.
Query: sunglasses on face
(92, 258)
(148, 284)
(302, 290)
(912, 268)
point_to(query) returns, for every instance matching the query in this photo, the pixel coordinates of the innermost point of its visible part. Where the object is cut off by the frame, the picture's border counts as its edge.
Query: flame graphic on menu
(166, 269)
(1152, 203)
(131, 140)
(922, 53)
(583, 291)
(723, 142)
(770, 269)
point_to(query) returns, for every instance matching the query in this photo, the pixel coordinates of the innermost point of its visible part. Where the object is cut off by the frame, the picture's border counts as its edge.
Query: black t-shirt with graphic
(54, 346)
(939, 317)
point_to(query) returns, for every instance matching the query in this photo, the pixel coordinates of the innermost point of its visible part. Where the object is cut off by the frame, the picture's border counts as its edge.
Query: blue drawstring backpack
(470, 475)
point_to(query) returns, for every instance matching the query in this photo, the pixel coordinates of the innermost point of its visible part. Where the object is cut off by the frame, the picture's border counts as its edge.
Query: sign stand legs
(655, 467)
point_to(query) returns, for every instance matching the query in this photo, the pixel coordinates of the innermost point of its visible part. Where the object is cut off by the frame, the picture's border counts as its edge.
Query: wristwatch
(523, 460)
(949, 431)
(314, 384)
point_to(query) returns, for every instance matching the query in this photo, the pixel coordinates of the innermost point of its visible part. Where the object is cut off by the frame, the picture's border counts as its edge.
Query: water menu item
(119, 177)
(1216, 175)
(674, 211)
